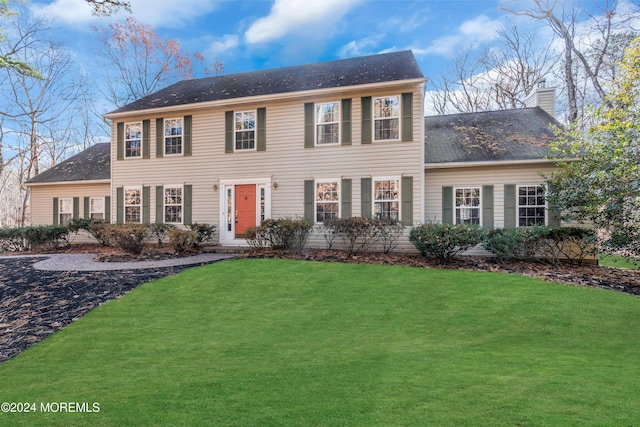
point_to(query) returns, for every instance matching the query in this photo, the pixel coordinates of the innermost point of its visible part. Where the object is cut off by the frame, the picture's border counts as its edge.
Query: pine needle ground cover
(280, 342)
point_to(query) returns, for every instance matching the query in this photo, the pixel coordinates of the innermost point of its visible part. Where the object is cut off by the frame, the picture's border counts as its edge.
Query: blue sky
(251, 35)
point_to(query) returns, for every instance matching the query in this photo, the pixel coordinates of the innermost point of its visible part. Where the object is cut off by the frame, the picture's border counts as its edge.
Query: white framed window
(96, 208)
(133, 205)
(245, 130)
(328, 123)
(386, 118)
(327, 200)
(467, 205)
(65, 211)
(173, 204)
(172, 136)
(532, 205)
(386, 198)
(133, 139)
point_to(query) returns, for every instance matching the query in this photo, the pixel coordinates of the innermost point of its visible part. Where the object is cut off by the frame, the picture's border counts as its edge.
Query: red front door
(245, 208)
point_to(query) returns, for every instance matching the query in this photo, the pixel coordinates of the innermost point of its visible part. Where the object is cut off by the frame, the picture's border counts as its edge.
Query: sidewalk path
(85, 262)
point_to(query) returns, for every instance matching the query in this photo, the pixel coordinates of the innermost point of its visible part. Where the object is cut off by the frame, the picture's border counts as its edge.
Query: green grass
(277, 342)
(618, 261)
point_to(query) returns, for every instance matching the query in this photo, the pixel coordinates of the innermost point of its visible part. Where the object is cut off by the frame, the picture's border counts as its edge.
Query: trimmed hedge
(444, 241)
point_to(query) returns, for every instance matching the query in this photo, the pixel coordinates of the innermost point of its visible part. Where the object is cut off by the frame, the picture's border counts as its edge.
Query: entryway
(244, 204)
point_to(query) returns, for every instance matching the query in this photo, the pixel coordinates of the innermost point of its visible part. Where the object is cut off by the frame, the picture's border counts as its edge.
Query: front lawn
(620, 262)
(279, 342)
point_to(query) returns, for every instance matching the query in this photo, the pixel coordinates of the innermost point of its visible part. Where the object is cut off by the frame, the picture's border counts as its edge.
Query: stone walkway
(85, 262)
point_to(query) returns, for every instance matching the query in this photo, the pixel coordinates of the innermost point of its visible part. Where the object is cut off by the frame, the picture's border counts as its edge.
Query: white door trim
(227, 190)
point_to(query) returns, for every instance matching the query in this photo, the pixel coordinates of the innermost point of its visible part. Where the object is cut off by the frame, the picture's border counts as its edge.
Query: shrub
(53, 236)
(203, 232)
(130, 238)
(444, 241)
(330, 231)
(160, 231)
(182, 240)
(388, 232)
(358, 234)
(95, 227)
(12, 240)
(290, 234)
(505, 243)
(572, 244)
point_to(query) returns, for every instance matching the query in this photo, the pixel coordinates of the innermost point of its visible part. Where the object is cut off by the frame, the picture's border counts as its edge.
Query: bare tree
(579, 46)
(498, 78)
(39, 113)
(138, 62)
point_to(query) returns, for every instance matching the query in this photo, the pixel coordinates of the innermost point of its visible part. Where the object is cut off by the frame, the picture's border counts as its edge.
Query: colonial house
(338, 138)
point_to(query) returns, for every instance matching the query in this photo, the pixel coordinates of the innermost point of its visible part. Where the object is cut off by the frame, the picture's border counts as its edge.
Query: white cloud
(361, 47)
(471, 33)
(297, 16)
(223, 44)
(157, 13)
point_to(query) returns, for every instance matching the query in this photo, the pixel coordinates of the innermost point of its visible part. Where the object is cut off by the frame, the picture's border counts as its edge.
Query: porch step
(225, 249)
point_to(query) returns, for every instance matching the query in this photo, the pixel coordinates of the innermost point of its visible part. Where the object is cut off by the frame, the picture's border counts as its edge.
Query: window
(386, 199)
(96, 208)
(173, 136)
(327, 123)
(132, 205)
(467, 205)
(173, 205)
(133, 139)
(531, 205)
(65, 211)
(327, 200)
(386, 118)
(245, 130)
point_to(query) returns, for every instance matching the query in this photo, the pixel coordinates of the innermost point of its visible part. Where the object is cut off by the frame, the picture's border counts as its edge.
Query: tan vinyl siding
(42, 201)
(497, 176)
(286, 162)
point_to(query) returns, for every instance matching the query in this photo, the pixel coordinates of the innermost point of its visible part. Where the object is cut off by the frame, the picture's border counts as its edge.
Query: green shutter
(365, 198)
(187, 135)
(159, 137)
(146, 131)
(366, 119)
(159, 204)
(228, 131)
(120, 205)
(107, 209)
(87, 207)
(554, 215)
(309, 125)
(509, 205)
(120, 140)
(406, 199)
(447, 205)
(262, 129)
(487, 207)
(76, 207)
(407, 116)
(146, 203)
(186, 200)
(309, 198)
(346, 122)
(55, 211)
(345, 198)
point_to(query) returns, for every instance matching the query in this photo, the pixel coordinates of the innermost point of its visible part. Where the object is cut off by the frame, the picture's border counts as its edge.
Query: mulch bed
(34, 304)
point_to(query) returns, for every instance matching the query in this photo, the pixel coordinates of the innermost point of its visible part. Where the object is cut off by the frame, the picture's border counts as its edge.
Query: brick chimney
(543, 97)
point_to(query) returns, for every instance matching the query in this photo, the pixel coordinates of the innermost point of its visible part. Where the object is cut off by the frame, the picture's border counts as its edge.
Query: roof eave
(88, 181)
(448, 165)
(267, 98)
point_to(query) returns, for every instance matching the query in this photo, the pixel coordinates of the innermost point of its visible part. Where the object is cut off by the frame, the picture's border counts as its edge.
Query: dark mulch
(34, 304)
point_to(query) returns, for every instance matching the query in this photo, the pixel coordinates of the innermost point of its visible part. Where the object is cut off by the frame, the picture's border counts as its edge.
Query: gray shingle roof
(380, 68)
(92, 164)
(522, 134)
